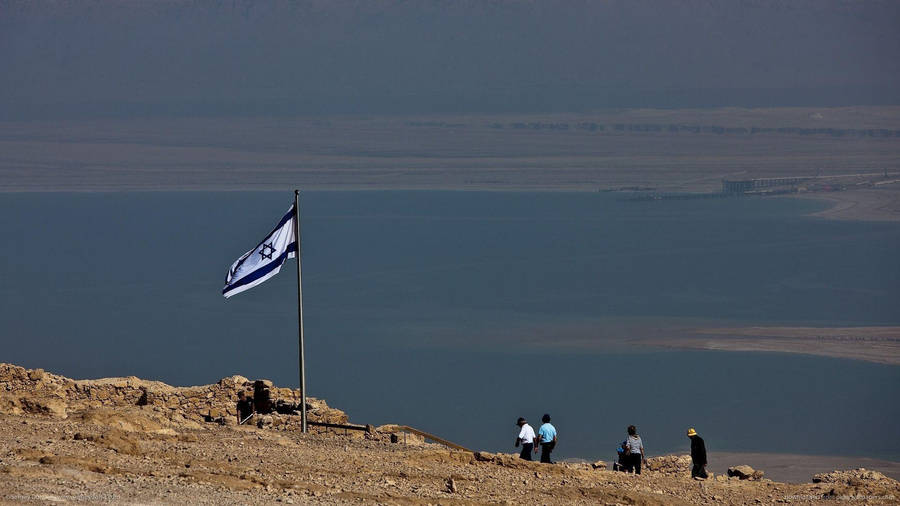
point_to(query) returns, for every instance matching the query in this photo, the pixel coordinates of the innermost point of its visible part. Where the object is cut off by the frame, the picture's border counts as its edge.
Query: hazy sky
(133, 57)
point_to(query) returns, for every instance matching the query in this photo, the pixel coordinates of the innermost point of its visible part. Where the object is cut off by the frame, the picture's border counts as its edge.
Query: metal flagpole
(300, 312)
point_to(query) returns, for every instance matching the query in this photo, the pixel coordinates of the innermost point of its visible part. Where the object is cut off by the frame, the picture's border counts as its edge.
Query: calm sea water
(441, 309)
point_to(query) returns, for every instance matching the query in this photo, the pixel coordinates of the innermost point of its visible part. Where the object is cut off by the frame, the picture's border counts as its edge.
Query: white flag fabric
(265, 260)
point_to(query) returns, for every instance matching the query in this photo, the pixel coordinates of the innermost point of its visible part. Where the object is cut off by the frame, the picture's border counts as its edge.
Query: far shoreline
(870, 205)
(879, 345)
(872, 344)
(863, 205)
(786, 467)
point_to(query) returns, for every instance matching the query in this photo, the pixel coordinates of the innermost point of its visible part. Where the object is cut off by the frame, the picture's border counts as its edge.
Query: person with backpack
(634, 451)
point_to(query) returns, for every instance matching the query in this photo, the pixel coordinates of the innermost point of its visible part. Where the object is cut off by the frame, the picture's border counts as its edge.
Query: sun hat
(692, 432)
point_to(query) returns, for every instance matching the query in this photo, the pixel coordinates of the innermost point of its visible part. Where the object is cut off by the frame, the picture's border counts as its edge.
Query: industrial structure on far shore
(780, 186)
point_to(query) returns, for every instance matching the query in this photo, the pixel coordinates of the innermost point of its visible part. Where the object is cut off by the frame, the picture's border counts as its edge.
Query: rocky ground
(124, 440)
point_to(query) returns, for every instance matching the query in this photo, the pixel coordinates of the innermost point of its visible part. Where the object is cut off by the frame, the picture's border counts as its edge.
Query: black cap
(545, 418)
(520, 421)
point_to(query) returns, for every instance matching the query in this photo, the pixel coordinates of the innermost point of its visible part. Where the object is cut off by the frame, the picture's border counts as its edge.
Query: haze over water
(441, 310)
(279, 57)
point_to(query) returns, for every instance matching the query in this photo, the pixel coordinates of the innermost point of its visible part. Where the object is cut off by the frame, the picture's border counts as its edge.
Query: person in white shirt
(525, 438)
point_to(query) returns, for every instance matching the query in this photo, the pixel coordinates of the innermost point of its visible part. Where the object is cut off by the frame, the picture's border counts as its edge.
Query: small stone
(451, 486)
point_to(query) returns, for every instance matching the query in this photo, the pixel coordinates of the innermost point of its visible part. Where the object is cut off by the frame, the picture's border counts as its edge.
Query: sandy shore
(870, 204)
(873, 344)
(880, 345)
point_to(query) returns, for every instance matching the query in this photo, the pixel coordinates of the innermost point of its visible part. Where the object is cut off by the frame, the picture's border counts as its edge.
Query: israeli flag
(265, 260)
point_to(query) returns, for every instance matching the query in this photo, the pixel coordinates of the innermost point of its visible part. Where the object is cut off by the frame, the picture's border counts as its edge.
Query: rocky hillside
(37, 392)
(125, 440)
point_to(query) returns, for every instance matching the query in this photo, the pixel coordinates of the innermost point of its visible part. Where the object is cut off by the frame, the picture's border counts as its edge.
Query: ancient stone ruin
(35, 391)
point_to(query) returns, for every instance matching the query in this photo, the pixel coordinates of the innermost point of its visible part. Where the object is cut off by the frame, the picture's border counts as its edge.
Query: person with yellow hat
(698, 455)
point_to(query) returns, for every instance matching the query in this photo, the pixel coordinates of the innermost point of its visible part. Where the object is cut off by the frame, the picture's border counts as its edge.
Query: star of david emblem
(267, 251)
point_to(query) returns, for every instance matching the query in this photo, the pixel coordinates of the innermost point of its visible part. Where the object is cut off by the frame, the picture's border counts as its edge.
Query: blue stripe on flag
(269, 267)
(287, 217)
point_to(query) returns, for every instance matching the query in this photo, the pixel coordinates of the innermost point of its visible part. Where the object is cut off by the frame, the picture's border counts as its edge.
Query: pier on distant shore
(775, 186)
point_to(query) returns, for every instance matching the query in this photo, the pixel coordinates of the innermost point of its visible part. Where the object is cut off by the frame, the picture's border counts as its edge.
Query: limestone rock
(599, 465)
(264, 421)
(232, 382)
(127, 420)
(853, 477)
(484, 456)
(50, 406)
(10, 373)
(670, 464)
(10, 405)
(744, 473)
(115, 440)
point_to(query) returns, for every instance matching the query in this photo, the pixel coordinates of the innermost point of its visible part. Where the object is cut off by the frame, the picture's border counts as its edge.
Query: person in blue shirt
(546, 439)
(621, 460)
